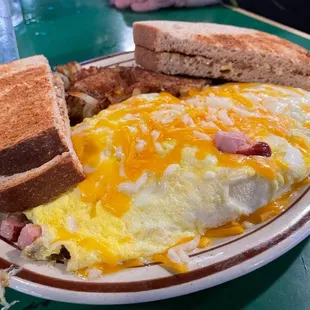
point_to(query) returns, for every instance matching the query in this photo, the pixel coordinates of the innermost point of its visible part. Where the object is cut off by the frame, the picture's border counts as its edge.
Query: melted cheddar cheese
(156, 186)
(137, 143)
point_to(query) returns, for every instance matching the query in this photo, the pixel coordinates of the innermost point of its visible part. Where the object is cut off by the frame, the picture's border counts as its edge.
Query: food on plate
(12, 226)
(93, 89)
(220, 51)
(5, 276)
(164, 174)
(37, 159)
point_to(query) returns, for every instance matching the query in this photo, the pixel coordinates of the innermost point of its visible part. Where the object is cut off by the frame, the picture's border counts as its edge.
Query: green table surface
(66, 30)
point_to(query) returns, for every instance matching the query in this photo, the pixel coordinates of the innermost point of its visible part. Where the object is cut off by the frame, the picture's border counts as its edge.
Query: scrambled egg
(155, 179)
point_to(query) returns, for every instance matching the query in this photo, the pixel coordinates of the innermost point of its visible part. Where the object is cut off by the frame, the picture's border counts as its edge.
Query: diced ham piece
(29, 234)
(12, 226)
(238, 143)
(18, 218)
(259, 148)
(10, 231)
(230, 142)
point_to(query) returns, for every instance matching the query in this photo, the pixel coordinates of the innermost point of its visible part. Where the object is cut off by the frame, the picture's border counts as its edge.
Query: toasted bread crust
(31, 131)
(218, 42)
(198, 38)
(31, 153)
(37, 159)
(22, 64)
(38, 186)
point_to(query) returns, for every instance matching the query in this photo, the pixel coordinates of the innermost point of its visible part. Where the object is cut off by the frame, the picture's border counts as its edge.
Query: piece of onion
(91, 103)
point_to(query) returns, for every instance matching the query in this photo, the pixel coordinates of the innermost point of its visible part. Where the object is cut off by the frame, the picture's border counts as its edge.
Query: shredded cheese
(171, 169)
(166, 125)
(144, 129)
(201, 135)
(179, 253)
(210, 175)
(140, 145)
(133, 187)
(188, 121)
(72, 224)
(222, 115)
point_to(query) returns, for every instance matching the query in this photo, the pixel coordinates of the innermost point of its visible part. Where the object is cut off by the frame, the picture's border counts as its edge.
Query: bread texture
(38, 186)
(220, 51)
(37, 158)
(199, 66)
(32, 130)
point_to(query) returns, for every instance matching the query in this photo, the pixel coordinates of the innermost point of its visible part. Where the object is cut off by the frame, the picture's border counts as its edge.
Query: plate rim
(96, 59)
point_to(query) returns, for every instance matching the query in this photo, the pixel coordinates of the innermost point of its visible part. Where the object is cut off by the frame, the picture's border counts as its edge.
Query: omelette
(160, 182)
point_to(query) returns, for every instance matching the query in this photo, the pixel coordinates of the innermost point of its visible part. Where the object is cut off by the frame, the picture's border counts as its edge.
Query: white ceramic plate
(226, 259)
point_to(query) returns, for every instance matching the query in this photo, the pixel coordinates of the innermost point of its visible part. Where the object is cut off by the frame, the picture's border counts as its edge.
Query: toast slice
(220, 51)
(32, 120)
(37, 158)
(35, 187)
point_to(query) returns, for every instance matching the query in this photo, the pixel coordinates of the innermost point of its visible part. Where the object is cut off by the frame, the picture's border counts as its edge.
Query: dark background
(294, 13)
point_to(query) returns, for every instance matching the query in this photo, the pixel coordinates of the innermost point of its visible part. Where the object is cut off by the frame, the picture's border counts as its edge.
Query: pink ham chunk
(238, 143)
(230, 142)
(29, 234)
(12, 226)
(258, 148)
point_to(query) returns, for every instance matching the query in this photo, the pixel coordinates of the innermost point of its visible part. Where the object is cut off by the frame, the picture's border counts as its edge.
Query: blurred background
(294, 13)
(66, 30)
